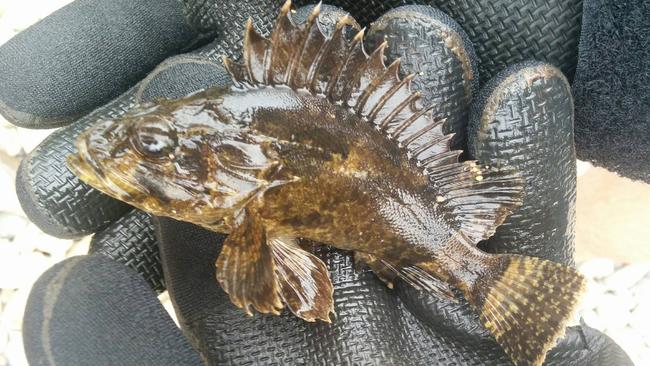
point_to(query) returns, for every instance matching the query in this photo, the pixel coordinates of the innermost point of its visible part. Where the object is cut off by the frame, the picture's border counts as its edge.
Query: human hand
(390, 326)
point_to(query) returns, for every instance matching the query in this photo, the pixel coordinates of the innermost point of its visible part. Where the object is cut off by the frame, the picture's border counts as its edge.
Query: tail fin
(526, 303)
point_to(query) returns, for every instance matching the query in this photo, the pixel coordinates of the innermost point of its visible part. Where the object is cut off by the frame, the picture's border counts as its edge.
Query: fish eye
(154, 138)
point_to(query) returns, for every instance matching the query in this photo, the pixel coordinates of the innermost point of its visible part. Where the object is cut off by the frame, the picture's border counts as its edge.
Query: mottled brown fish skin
(319, 140)
(321, 173)
(350, 187)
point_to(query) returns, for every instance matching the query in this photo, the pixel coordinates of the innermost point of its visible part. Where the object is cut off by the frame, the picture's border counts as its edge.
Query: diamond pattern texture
(57, 201)
(527, 121)
(504, 32)
(130, 240)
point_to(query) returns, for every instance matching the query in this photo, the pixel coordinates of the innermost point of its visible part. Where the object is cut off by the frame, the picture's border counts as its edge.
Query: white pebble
(11, 317)
(593, 319)
(597, 268)
(10, 327)
(10, 224)
(642, 288)
(640, 317)
(614, 311)
(29, 139)
(167, 304)
(9, 139)
(79, 247)
(15, 351)
(56, 248)
(592, 296)
(10, 202)
(627, 276)
(21, 271)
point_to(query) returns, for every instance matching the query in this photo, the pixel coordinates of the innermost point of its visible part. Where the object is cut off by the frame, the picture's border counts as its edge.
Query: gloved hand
(93, 310)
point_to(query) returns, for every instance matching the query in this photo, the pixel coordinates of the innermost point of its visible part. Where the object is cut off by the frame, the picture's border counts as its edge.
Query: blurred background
(613, 227)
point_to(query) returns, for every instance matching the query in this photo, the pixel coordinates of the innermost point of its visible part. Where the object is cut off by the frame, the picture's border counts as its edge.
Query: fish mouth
(88, 173)
(87, 168)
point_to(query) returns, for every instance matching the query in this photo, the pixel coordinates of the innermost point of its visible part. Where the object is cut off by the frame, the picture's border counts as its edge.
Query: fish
(318, 140)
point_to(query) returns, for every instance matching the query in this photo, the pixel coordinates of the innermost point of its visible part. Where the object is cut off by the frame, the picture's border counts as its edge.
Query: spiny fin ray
(339, 69)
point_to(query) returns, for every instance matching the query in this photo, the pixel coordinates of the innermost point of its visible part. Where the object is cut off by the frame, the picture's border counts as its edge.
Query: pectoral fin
(303, 279)
(245, 268)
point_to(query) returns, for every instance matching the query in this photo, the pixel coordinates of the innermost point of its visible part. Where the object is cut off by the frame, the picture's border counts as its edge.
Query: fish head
(197, 169)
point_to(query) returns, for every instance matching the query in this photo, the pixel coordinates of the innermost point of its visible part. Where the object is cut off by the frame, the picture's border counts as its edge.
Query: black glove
(75, 312)
(612, 87)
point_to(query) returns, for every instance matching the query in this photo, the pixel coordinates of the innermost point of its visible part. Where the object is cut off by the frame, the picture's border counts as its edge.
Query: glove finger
(225, 21)
(505, 33)
(524, 118)
(612, 87)
(131, 241)
(587, 346)
(433, 46)
(90, 310)
(84, 55)
(52, 197)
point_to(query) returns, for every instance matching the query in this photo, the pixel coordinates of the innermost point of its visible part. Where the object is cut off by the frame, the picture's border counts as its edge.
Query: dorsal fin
(339, 69)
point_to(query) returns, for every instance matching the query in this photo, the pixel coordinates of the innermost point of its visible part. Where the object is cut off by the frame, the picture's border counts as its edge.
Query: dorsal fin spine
(286, 8)
(247, 56)
(412, 98)
(312, 20)
(434, 161)
(408, 141)
(357, 41)
(393, 68)
(315, 70)
(340, 70)
(350, 86)
(312, 74)
(376, 55)
(405, 82)
(409, 121)
(432, 143)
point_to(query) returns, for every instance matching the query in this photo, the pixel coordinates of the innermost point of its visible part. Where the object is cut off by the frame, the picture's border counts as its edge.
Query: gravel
(618, 304)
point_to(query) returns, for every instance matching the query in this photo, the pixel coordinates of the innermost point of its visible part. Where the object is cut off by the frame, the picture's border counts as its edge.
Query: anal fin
(423, 281)
(413, 275)
(303, 280)
(386, 274)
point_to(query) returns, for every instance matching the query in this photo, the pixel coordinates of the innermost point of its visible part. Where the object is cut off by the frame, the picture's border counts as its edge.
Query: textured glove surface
(612, 87)
(373, 326)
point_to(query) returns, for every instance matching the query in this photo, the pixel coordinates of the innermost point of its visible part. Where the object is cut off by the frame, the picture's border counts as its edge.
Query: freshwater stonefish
(319, 140)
